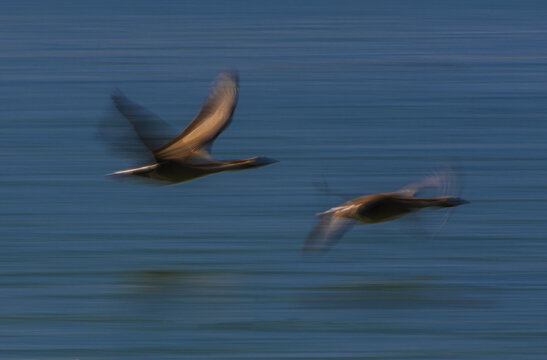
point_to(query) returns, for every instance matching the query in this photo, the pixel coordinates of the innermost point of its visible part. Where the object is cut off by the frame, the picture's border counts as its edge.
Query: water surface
(367, 96)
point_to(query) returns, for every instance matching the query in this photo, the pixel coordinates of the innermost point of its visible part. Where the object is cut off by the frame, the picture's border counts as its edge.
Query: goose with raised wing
(187, 156)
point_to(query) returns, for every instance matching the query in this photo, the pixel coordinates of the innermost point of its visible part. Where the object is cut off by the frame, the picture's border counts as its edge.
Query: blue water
(366, 95)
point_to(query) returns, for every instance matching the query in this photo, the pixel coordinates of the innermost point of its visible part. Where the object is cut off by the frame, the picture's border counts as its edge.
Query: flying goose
(377, 208)
(187, 156)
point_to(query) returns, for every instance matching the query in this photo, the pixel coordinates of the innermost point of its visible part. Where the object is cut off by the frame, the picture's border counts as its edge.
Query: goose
(378, 208)
(187, 156)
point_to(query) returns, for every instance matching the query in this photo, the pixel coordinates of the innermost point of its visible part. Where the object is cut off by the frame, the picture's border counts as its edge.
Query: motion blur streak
(367, 94)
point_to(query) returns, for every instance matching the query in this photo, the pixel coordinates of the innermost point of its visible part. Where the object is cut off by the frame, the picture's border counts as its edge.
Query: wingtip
(230, 76)
(308, 251)
(116, 93)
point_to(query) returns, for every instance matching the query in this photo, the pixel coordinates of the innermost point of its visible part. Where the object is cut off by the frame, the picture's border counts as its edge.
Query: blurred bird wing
(327, 232)
(324, 187)
(441, 181)
(214, 116)
(444, 181)
(151, 130)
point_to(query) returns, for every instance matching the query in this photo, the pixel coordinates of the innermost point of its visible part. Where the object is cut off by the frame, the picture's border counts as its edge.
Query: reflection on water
(401, 294)
(366, 96)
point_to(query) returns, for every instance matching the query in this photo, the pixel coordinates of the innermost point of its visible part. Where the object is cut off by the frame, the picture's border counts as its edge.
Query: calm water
(367, 96)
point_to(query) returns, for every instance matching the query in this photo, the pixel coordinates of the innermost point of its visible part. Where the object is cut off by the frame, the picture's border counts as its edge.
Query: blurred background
(367, 95)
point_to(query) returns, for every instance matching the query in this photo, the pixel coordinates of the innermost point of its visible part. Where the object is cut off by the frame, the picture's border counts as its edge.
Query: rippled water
(365, 95)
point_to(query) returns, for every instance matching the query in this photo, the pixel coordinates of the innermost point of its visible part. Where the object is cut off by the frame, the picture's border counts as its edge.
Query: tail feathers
(331, 210)
(140, 171)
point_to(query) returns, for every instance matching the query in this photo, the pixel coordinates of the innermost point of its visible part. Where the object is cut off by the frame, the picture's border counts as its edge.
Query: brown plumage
(377, 208)
(187, 156)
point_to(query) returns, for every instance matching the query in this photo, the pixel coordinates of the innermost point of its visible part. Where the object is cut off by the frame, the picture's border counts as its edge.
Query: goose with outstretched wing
(377, 208)
(187, 156)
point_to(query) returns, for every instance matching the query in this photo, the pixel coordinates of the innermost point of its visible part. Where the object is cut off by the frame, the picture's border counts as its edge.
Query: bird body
(174, 171)
(377, 208)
